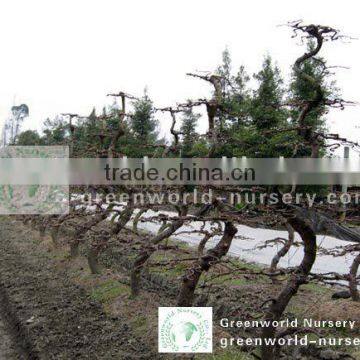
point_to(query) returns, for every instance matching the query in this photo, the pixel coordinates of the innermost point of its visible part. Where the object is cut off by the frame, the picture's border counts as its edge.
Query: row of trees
(248, 122)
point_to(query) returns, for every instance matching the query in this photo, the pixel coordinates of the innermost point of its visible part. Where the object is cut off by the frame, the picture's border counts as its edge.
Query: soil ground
(7, 349)
(55, 318)
(55, 309)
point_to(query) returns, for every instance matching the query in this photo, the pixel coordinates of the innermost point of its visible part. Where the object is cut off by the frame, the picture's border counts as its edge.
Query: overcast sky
(65, 56)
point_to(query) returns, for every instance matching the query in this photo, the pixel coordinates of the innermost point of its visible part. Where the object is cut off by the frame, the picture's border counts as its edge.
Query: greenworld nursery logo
(185, 329)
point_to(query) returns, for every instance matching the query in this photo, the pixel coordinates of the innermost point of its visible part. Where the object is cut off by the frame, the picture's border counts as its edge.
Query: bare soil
(53, 307)
(7, 347)
(51, 317)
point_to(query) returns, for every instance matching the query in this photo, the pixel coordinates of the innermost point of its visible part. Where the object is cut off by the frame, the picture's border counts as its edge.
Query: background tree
(265, 110)
(143, 125)
(55, 131)
(188, 130)
(301, 91)
(28, 138)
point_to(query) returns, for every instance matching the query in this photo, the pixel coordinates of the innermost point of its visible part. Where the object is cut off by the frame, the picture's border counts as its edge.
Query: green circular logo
(185, 330)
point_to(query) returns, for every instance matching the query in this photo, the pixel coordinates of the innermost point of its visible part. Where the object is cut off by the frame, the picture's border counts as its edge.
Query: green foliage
(302, 90)
(251, 116)
(29, 138)
(224, 70)
(32, 190)
(188, 129)
(265, 110)
(251, 122)
(200, 149)
(109, 290)
(55, 131)
(143, 125)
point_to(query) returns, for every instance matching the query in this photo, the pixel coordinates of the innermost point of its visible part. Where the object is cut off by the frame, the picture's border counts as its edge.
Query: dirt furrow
(7, 347)
(56, 318)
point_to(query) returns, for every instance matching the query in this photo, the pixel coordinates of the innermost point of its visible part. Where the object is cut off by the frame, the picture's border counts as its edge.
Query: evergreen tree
(265, 109)
(143, 123)
(55, 131)
(28, 138)
(236, 105)
(188, 129)
(224, 70)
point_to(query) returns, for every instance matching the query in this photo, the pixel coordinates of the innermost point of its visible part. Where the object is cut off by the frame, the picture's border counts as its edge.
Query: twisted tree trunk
(135, 277)
(82, 230)
(137, 218)
(125, 217)
(352, 279)
(203, 243)
(279, 305)
(141, 259)
(93, 262)
(54, 232)
(94, 250)
(284, 250)
(212, 256)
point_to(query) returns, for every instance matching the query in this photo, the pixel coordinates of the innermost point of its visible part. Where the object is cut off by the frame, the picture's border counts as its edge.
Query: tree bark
(212, 256)
(125, 217)
(352, 279)
(137, 218)
(284, 250)
(145, 254)
(74, 249)
(279, 305)
(82, 230)
(92, 258)
(135, 276)
(54, 233)
(202, 243)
